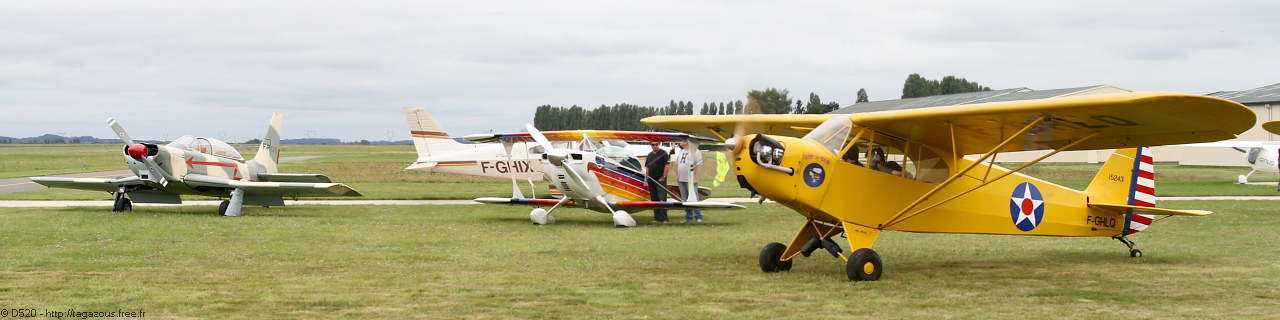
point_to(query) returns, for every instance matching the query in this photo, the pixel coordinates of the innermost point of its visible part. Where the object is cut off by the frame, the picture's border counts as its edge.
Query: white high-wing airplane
(1261, 155)
(606, 179)
(438, 152)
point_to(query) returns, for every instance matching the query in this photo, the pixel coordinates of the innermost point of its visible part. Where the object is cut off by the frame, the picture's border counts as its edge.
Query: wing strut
(896, 220)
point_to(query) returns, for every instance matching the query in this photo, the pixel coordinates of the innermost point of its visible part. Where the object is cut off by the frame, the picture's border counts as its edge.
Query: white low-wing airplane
(204, 166)
(607, 180)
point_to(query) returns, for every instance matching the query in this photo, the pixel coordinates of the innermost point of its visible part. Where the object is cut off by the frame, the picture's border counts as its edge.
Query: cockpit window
(206, 145)
(620, 155)
(834, 133)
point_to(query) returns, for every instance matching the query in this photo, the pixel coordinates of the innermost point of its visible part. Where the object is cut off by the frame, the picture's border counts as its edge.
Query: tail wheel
(222, 208)
(864, 265)
(771, 256)
(1135, 253)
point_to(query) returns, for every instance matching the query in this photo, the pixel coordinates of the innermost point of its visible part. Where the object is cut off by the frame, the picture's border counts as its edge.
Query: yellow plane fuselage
(840, 192)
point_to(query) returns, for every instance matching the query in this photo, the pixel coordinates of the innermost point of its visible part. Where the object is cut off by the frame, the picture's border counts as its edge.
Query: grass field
(488, 262)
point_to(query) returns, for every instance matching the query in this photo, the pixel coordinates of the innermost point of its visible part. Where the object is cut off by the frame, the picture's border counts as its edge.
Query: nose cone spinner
(137, 151)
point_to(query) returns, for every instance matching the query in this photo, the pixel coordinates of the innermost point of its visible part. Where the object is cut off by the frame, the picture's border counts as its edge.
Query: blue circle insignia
(814, 174)
(1026, 206)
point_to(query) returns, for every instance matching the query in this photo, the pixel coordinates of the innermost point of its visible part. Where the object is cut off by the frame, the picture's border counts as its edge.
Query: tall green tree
(771, 100)
(862, 96)
(917, 86)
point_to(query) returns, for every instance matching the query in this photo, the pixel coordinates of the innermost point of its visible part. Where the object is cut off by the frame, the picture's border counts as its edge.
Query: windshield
(833, 133)
(621, 156)
(206, 145)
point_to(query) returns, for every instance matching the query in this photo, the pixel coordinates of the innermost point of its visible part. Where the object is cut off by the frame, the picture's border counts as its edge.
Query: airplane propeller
(140, 152)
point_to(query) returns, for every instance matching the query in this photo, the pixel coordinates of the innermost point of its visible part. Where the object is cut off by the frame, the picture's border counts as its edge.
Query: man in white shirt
(688, 168)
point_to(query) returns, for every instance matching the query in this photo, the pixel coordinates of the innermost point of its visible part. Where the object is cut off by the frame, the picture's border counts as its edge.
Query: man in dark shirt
(656, 166)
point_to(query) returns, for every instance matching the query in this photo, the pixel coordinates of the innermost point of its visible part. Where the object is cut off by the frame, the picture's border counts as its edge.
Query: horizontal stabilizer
(294, 177)
(1124, 208)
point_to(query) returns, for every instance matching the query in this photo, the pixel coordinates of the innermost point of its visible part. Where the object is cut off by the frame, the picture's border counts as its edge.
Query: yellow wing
(1272, 126)
(723, 126)
(1123, 120)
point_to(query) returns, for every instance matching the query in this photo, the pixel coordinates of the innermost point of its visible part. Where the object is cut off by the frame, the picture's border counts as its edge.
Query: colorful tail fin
(269, 152)
(428, 137)
(1128, 178)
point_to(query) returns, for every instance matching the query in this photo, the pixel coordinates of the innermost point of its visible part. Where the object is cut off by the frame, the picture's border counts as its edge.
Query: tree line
(625, 116)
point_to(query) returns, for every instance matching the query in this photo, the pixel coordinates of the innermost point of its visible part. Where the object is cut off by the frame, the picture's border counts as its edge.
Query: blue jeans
(689, 215)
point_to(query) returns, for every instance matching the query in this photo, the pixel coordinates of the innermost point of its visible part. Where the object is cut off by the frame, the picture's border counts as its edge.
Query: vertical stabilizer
(1128, 177)
(428, 137)
(269, 152)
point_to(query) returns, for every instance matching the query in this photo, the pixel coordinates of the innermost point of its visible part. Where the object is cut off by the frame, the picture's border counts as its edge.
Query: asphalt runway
(24, 184)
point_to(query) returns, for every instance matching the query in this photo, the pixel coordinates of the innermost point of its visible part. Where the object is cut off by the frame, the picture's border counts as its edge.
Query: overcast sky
(344, 69)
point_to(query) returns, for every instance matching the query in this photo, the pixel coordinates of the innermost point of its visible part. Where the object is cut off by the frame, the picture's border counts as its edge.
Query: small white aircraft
(1261, 155)
(204, 166)
(607, 179)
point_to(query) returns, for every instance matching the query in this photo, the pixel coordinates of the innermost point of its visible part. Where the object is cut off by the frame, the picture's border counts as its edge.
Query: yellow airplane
(906, 170)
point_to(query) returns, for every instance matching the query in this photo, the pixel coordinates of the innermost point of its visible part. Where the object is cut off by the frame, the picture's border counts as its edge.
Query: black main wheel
(118, 205)
(222, 208)
(864, 265)
(128, 205)
(771, 256)
(1135, 253)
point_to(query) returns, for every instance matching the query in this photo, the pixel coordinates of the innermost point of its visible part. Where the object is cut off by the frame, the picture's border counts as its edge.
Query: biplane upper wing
(634, 205)
(578, 135)
(272, 188)
(1121, 120)
(795, 125)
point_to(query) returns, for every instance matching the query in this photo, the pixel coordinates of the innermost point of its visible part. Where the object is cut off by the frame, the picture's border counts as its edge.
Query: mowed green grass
(27, 160)
(489, 262)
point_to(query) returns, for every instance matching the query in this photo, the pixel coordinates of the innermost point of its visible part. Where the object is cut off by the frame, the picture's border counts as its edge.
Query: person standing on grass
(688, 168)
(656, 166)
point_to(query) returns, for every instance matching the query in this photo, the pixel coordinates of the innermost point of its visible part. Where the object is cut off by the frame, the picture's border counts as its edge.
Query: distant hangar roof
(976, 97)
(1260, 95)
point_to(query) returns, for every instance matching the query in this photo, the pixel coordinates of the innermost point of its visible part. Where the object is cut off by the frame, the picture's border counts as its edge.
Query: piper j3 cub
(905, 170)
(607, 180)
(204, 166)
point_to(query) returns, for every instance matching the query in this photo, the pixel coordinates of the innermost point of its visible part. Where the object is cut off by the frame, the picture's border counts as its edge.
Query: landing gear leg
(121, 204)
(1134, 253)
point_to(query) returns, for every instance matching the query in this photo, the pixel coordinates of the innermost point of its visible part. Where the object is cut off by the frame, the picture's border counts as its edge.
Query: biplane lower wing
(1125, 209)
(91, 184)
(272, 188)
(633, 205)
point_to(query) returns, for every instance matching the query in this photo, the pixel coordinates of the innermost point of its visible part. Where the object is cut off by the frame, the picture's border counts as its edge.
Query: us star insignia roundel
(1026, 206)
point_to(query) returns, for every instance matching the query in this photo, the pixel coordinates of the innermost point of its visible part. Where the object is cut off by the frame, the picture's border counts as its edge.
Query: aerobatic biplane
(905, 170)
(600, 177)
(438, 152)
(204, 166)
